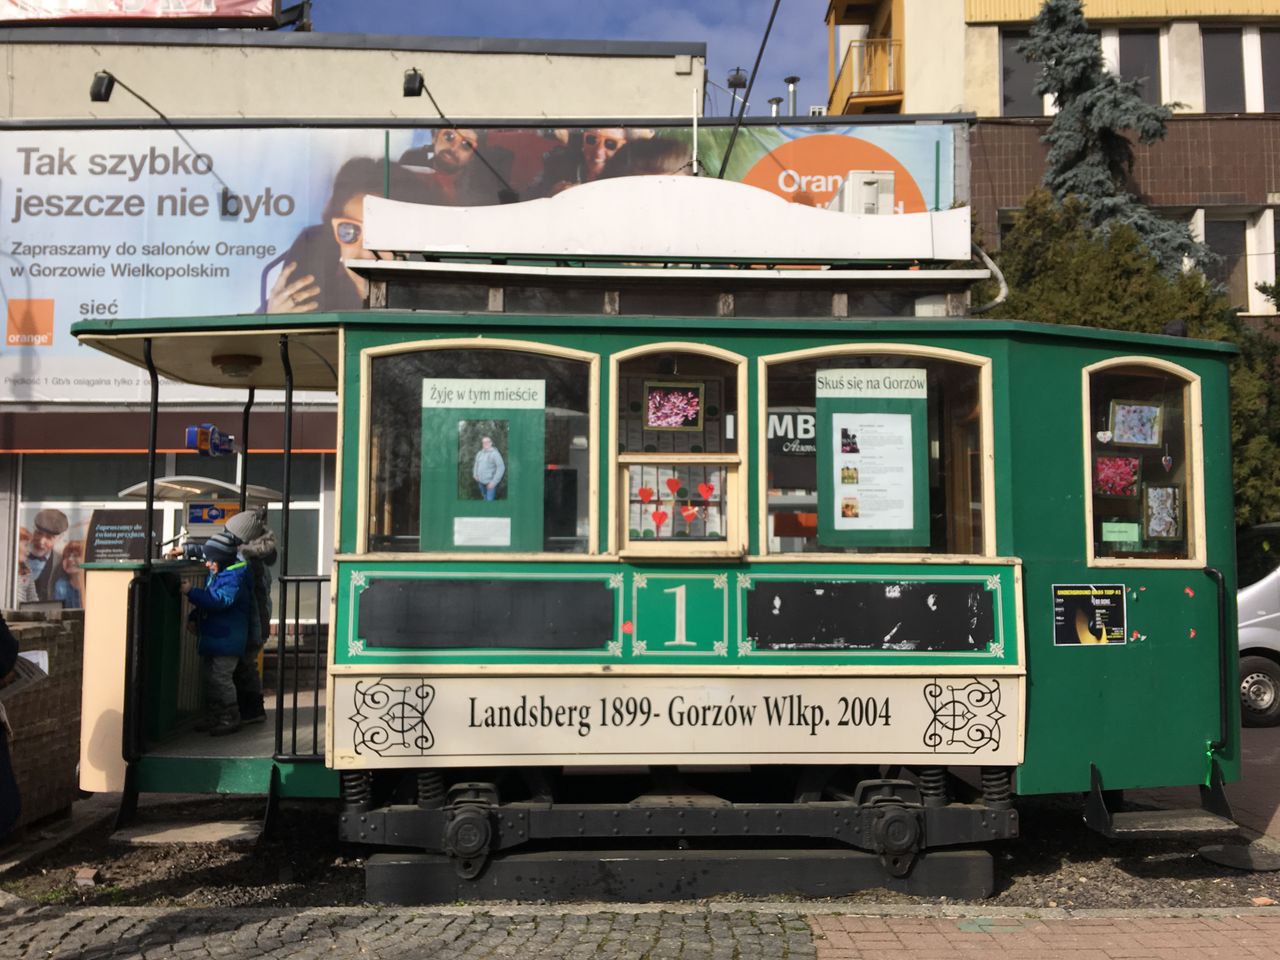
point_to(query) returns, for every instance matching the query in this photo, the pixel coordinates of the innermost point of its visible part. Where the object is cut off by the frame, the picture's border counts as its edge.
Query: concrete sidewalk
(741, 931)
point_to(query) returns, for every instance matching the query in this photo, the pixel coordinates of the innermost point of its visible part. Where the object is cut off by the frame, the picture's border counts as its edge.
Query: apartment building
(1216, 61)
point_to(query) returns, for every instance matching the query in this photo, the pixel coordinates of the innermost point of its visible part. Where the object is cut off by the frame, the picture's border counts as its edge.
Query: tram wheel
(1259, 692)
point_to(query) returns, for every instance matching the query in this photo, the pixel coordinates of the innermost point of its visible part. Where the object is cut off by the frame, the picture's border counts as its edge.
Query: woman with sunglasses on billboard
(583, 158)
(313, 276)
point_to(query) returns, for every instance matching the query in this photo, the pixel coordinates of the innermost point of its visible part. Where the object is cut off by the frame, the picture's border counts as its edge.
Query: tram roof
(244, 350)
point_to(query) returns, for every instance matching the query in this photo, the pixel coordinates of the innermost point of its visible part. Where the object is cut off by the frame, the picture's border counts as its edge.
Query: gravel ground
(1057, 862)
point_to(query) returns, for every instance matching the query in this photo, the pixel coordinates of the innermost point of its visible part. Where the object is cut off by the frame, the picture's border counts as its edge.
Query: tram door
(482, 464)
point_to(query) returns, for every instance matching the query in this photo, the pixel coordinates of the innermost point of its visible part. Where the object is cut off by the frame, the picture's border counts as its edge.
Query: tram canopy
(179, 489)
(237, 352)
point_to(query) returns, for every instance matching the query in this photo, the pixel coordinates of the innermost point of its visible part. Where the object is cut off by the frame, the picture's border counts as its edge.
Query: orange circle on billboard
(810, 171)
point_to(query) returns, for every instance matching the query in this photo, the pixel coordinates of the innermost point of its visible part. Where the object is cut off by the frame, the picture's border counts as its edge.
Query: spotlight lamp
(413, 83)
(101, 87)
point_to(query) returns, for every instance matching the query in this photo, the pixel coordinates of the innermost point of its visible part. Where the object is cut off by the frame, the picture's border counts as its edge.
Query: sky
(731, 30)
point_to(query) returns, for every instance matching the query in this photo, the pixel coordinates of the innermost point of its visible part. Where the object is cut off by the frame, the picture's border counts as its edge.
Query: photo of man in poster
(488, 469)
(43, 557)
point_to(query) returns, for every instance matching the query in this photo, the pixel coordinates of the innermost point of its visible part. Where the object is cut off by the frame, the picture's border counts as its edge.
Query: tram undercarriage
(669, 831)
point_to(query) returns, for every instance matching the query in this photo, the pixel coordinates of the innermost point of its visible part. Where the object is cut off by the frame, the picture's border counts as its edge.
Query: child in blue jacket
(222, 612)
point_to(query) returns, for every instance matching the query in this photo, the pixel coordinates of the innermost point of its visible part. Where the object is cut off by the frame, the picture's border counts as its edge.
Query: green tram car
(730, 557)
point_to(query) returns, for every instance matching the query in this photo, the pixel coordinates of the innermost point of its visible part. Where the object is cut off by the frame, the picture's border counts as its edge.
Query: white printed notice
(872, 447)
(872, 471)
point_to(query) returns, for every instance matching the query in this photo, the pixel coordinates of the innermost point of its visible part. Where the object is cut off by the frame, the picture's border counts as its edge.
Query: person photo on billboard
(583, 158)
(70, 589)
(313, 275)
(44, 555)
(656, 156)
(461, 168)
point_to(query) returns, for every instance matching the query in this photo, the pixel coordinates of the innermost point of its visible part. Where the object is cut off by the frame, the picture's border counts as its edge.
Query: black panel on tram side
(461, 614)
(870, 615)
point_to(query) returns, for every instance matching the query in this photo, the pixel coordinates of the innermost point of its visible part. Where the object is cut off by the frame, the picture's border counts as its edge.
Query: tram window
(1140, 474)
(669, 301)
(448, 297)
(874, 454)
(678, 434)
(782, 303)
(587, 301)
(483, 450)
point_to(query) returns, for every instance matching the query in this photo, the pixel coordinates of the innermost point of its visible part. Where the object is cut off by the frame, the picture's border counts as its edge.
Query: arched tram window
(877, 449)
(479, 446)
(678, 459)
(1144, 464)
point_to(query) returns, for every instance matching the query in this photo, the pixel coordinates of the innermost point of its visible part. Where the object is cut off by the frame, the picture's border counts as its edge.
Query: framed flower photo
(1136, 424)
(673, 406)
(1162, 512)
(1117, 476)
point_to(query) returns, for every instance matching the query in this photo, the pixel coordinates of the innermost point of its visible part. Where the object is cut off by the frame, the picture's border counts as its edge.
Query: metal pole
(284, 543)
(149, 548)
(244, 451)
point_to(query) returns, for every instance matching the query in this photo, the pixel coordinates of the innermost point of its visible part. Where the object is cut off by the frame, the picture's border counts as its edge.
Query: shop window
(679, 442)
(1140, 60)
(1223, 71)
(1142, 464)
(472, 448)
(1018, 78)
(876, 453)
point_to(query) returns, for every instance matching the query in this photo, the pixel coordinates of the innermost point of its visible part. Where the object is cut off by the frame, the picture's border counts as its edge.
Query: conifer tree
(1090, 153)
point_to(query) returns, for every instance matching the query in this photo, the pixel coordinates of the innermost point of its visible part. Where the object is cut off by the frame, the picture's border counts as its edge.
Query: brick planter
(46, 717)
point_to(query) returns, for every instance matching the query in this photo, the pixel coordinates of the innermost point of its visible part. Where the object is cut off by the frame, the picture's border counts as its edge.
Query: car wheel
(1259, 692)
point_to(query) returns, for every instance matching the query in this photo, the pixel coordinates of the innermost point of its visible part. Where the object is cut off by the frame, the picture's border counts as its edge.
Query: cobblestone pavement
(643, 933)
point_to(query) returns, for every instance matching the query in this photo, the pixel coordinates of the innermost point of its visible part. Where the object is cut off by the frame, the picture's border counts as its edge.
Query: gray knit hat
(245, 526)
(220, 548)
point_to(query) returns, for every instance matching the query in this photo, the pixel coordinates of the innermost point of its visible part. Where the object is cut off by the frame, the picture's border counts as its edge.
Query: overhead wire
(733, 137)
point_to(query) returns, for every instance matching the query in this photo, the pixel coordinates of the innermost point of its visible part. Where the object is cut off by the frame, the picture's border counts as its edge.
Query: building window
(1223, 71)
(875, 453)
(1140, 60)
(479, 449)
(1143, 463)
(1271, 70)
(1226, 239)
(678, 436)
(1018, 78)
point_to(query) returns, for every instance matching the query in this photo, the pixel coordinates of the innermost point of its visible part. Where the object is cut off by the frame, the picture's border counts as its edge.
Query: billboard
(156, 223)
(30, 11)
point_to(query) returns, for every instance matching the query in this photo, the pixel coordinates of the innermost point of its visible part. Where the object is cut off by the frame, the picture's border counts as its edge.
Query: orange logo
(30, 323)
(810, 171)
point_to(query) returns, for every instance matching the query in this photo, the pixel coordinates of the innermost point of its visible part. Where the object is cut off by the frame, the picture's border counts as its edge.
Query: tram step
(1169, 824)
(411, 879)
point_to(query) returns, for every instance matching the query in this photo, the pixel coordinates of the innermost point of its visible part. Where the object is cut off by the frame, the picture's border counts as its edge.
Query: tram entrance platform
(242, 762)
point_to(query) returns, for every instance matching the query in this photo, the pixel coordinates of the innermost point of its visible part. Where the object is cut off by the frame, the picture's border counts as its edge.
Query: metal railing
(301, 668)
(870, 68)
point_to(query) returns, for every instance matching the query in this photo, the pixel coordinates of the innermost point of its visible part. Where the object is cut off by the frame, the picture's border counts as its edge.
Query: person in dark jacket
(222, 610)
(10, 801)
(257, 547)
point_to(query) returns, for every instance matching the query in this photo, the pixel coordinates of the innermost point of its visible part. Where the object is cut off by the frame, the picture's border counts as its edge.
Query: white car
(1258, 603)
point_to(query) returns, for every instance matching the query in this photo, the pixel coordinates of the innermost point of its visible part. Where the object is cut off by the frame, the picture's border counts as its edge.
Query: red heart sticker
(659, 518)
(689, 513)
(673, 484)
(645, 494)
(705, 490)
(628, 627)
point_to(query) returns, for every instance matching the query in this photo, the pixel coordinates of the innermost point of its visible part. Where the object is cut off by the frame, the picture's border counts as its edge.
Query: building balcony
(870, 79)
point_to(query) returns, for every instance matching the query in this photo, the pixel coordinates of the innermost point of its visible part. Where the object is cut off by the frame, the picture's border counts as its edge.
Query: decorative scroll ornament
(965, 715)
(391, 718)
